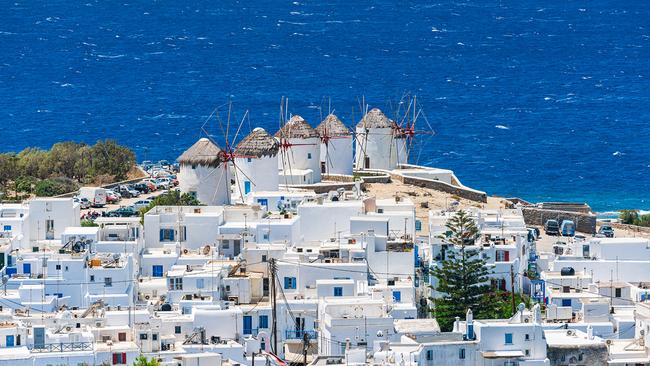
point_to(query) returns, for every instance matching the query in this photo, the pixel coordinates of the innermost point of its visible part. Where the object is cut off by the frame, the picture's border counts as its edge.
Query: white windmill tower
(335, 146)
(256, 157)
(379, 142)
(204, 174)
(300, 152)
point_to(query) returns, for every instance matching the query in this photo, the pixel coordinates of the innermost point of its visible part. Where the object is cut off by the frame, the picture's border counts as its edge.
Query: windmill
(299, 146)
(406, 128)
(336, 146)
(227, 156)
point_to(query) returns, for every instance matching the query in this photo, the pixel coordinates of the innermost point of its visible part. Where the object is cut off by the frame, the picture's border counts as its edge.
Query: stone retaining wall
(585, 223)
(633, 228)
(325, 187)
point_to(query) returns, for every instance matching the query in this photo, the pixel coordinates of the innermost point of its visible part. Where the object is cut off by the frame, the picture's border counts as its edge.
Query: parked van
(96, 195)
(568, 228)
(551, 227)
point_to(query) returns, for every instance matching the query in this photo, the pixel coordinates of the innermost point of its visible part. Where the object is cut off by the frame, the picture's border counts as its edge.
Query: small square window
(263, 257)
(508, 338)
(308, 155)
(618, 292)
(92, 278)
(527, 353)
(527, 337)
(108, 282)
(461, 353)
(177, 329)
(249, 160)
(143, 336)
(429, 355)
(58, 267)
(154, 337)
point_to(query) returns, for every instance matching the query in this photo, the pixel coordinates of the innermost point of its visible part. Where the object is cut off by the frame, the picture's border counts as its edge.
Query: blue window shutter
(397, 296)
(162, 234)
(566, 302)
(508, 338)
(338, 291)
(264, 321)
(171, 234)
(286, 282)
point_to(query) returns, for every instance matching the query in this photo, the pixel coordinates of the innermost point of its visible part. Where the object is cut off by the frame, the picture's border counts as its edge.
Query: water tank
(568, 271)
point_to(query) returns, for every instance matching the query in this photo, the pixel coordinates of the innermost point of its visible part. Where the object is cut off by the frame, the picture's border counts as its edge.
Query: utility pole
(305, 347)
(512, 287)
(253, 360)
(274, 306)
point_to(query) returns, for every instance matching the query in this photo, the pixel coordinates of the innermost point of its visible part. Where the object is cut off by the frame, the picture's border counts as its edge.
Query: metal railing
(298, 334)
(62, 347)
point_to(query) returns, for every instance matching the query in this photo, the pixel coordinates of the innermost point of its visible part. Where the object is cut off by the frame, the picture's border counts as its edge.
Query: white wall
(297, 157)
(384, 150)
(261, 172)
(211, 185)
(337, 156)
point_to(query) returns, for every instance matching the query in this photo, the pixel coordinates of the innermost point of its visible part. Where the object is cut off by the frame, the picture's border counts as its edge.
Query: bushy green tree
(34, 162)
(629, 217)
(143, 361)
(48, 188)
(170, 198)
(110, 158)
(463, 276)
(8, 169)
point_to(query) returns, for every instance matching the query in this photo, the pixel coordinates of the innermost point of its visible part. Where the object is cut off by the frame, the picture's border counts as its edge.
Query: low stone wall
(633, 228)
(337, 178)
(585, 223)
(325, 187)
(461, 192)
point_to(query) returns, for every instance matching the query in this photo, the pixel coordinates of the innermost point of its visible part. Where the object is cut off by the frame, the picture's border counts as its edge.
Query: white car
(141, 204)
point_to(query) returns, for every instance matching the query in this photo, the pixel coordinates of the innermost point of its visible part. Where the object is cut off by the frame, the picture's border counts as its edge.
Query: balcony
(298, 334)
(62, 347)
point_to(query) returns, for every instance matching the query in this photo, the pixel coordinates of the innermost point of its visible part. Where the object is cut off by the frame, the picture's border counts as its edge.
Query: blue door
(566, 302)
(248, 324)
(247, 187)
(27, 268)
(397, 296)
(157, 270)
(10, 341)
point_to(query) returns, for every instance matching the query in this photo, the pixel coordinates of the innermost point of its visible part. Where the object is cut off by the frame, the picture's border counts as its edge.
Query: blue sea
(541, 100)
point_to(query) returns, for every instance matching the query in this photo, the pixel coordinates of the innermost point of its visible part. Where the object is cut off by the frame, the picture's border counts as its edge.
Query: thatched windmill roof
(258, 143)
(296, 128)
(376, 119)
(203, 152)
(332, 126)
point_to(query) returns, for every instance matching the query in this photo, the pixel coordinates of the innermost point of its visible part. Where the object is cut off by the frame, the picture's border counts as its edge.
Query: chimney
(457, 325)
(590, 332)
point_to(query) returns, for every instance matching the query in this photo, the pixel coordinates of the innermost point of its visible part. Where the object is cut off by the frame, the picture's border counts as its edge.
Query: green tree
(170, 198)
(110, 158)
(143, 361)
(629, 217)
(8, 169)
(462, 276)
(48, 188)
(63, 159)
(34, 162)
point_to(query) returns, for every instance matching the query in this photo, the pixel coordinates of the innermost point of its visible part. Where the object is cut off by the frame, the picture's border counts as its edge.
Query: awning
(502, 354)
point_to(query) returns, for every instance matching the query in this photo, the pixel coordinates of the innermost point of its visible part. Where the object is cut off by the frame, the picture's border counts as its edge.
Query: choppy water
(547, 101)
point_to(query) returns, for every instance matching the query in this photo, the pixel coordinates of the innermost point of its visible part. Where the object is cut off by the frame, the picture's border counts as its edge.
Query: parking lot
(124, 202)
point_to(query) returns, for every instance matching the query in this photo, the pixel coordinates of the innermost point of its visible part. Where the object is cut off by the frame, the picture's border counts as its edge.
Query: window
(157, 270)
(9, 341)
(154, 337)
(92, 278)
(108, 282)
(17, 339)
(121, 337)
(527, 353)
(225, 245)
(119, 358)
(289, 283)
(618, 292)
(566, 289)
(508, 338)
(57, 267)
(175, 283)
(7, 228)
(429, 355)
(308, 155)
(266, 236)
(200, 283)
(264, 321)
(338, 291)
(527, 337)
(182, 233)
(397, 296)
(566, 302)
(166, 234)
(177, 329)
(249, 160)
(143, 336)
(461, 353)
(264, 258)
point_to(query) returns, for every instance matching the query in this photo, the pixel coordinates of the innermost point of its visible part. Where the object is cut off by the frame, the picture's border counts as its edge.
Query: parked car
(141, 187)
(112, 197)
(127, 211)
(606, 231)
(128, 191)
(141, 204)
(568, 228)
(83, 202)
(166, 183)
(149, 184)
(551, 227)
